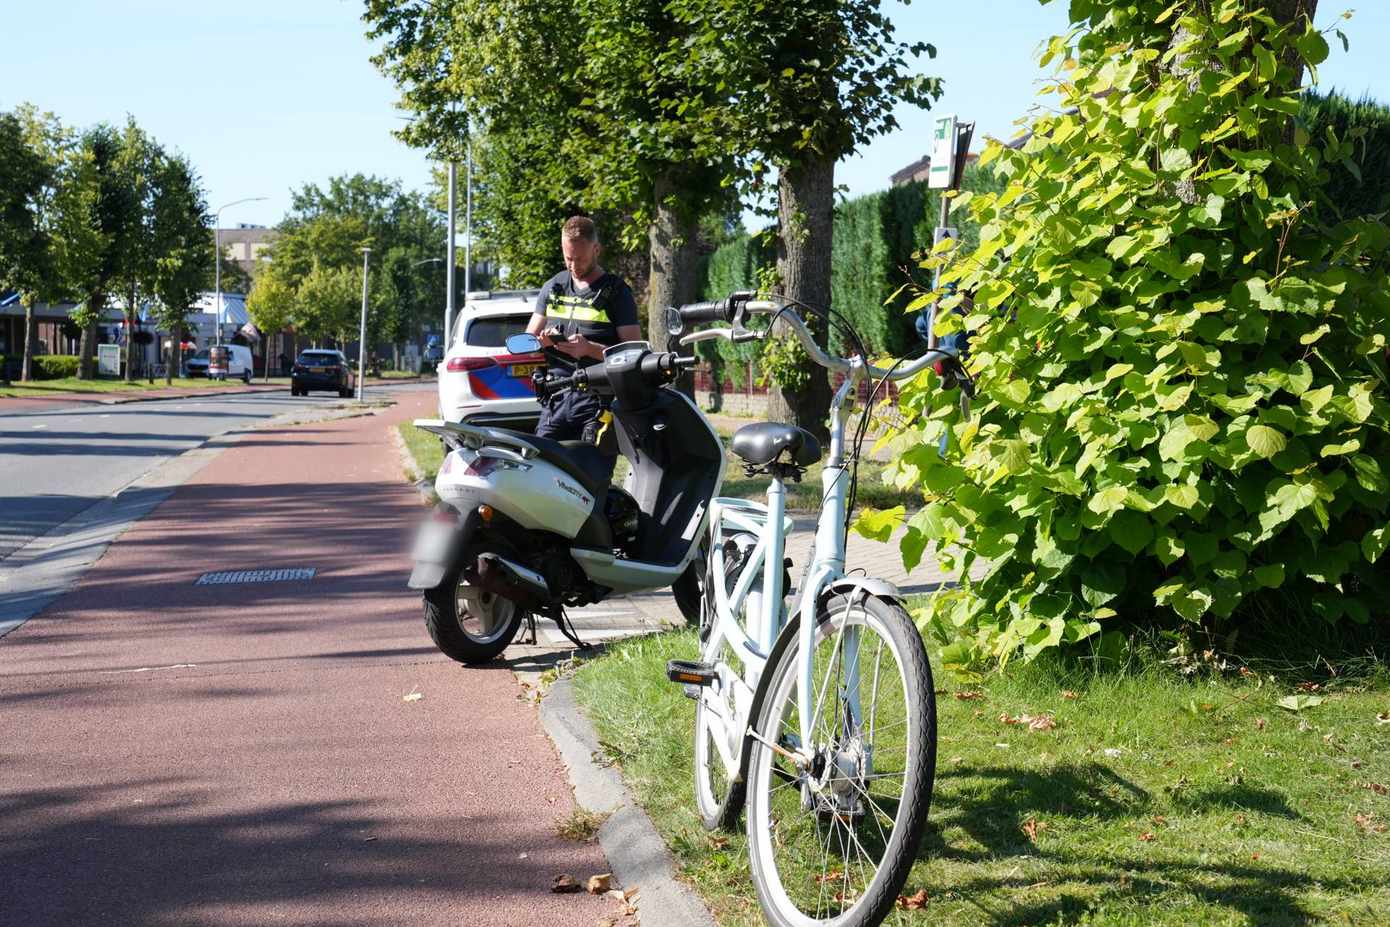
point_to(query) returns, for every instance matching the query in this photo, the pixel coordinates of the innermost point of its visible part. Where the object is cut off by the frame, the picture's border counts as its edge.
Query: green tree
(117, 221)
(272, 303)
(49, 241)
(25, 174)
(182, 245)
(801, 89)
(137, 161)
(1179, 344)
(329, 303)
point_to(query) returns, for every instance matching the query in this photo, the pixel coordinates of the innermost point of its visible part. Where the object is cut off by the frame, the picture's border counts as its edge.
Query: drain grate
(255, 576)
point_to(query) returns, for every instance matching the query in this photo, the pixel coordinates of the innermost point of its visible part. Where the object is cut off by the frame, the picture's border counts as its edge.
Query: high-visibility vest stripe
(578, 309)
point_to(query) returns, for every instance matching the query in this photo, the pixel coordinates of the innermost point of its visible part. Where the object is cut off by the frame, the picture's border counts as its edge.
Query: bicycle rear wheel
(834, 825)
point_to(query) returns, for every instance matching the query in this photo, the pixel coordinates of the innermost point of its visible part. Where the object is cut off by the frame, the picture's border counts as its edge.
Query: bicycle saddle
(764, 442)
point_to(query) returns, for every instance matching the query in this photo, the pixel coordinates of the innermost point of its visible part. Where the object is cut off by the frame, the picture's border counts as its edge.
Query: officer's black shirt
(596, 312)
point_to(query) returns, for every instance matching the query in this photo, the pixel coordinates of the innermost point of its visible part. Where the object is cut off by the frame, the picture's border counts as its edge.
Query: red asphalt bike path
(245, 754)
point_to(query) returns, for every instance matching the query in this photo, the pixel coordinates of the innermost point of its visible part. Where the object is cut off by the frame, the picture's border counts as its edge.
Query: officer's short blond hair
(580, 228)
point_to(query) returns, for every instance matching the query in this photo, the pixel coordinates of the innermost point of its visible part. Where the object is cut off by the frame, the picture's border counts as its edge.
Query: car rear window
(318, 360)
(201, 355)
(493, 331)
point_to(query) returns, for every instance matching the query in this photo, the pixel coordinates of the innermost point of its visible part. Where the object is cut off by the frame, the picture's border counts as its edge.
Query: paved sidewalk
(188, 754)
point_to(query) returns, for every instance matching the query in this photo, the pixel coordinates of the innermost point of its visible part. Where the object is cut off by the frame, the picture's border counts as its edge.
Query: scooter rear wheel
(467, 624)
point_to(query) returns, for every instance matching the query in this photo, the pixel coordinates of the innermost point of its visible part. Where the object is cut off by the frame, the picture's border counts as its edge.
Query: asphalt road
(57, 464)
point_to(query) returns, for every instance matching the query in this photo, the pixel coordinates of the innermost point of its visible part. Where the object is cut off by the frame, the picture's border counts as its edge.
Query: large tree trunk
(87, 352)
(806, 206)
(30, 336)
(673, 247)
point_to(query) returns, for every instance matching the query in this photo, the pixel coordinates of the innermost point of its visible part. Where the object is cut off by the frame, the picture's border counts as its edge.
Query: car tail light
(464, 364)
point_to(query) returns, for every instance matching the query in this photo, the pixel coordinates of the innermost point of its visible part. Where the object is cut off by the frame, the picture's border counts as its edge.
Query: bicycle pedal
(691, 673)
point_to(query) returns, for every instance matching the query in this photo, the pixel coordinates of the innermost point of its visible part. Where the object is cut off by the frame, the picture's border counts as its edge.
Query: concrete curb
(636, 853)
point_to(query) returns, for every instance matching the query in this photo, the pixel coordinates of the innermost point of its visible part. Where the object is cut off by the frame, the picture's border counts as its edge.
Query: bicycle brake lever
(708, 334)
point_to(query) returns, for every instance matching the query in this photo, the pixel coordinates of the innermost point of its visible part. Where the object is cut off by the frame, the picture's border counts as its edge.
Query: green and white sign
(943, 154)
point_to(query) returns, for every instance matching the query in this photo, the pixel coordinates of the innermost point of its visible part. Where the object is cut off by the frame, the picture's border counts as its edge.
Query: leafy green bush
(54, 366)
(1180, 350)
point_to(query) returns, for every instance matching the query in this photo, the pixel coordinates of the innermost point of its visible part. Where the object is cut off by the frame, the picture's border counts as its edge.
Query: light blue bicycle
(820, 714)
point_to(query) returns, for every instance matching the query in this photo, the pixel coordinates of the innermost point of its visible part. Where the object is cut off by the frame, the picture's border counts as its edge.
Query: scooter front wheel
(467, 624)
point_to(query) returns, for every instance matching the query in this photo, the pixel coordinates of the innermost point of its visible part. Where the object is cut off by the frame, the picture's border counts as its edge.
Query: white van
(238, 363)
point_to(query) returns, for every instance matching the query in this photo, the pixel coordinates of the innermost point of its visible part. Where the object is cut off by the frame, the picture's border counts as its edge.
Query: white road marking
(150, 669)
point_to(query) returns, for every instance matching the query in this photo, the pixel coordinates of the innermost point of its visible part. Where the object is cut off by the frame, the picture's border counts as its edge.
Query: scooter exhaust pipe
(510, 580)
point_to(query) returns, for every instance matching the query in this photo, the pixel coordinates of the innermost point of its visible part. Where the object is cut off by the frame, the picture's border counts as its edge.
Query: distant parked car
(321, 369)
(479, 381)
(238, 363)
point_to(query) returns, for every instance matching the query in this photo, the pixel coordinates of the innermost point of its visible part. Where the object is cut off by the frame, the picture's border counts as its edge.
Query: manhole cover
(255, 576)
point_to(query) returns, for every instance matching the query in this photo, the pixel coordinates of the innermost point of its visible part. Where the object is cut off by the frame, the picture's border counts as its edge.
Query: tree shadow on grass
(990, 804)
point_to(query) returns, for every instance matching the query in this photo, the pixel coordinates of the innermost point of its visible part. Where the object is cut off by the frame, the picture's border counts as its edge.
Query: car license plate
(317, 369)
(524, 370)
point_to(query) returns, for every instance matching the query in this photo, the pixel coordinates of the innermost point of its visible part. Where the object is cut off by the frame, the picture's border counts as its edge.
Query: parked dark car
(321, 369)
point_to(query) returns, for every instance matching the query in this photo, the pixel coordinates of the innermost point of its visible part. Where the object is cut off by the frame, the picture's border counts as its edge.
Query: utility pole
(362, 330)
(449, 254)
(468, 231)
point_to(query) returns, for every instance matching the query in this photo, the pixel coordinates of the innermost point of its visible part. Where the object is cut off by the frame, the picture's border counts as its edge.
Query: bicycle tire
(879, 893)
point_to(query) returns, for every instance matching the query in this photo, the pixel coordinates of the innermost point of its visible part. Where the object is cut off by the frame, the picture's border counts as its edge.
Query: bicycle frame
(753, 645)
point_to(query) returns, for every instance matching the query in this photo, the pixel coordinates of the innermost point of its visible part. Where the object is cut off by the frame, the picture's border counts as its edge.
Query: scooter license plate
(524, 370)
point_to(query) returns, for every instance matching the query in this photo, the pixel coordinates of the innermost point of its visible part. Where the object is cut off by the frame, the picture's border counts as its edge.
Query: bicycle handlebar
(735, 306)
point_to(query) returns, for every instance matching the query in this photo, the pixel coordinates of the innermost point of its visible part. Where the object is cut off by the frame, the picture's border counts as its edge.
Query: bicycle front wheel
(834, 824)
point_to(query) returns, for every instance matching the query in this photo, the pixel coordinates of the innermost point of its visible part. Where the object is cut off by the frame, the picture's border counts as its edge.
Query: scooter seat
(764, 442)
(579, 459)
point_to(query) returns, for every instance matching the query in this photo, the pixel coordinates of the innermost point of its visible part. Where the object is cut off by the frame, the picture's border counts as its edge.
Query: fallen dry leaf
(1308, 686)
(1146, 836)
(1040, 723)
(630, 893)
(1254, 856)
(717, 843)
(1159, 820)
(833, 875)
(1245, 672)
(1031, 828)
(1068, 694)
(1006, 718)
(1228, 741)
(564, 885)
(1383, 718)
(1376, 787)
(413, 696)
(1369, 824)
(914, 902)
(969, 695)
(598, 884)
(614, 894)
(1260, 724)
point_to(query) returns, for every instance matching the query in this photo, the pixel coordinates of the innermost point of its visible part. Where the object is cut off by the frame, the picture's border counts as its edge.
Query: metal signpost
(950, 146)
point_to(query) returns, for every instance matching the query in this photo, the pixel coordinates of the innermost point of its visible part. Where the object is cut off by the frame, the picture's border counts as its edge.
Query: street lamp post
(362, 331)
(468, 228)
(217, 248)
(449, 253)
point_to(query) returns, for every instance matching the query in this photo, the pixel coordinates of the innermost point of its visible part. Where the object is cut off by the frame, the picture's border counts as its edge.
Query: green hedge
(1371, 192)
(54, 366)
(872, 256)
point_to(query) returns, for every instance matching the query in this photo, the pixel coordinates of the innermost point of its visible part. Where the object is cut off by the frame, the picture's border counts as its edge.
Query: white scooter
(528, 526)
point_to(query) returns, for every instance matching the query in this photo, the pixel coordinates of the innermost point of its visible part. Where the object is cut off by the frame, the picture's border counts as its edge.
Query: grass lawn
(1155, 800)
(399, 375)
(426, 448)
(74, 385)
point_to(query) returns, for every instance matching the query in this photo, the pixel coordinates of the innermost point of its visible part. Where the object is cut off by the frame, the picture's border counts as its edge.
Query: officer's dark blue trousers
(566, 415)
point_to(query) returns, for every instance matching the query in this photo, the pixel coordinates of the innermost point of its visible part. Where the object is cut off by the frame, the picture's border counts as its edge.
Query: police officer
(579, 312)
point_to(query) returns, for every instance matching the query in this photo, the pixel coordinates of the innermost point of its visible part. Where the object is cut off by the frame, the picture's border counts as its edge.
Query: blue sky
(264, 96)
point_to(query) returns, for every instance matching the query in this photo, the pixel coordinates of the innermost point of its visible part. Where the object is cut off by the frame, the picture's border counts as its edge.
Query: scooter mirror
(675, 325)
(524, 343)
